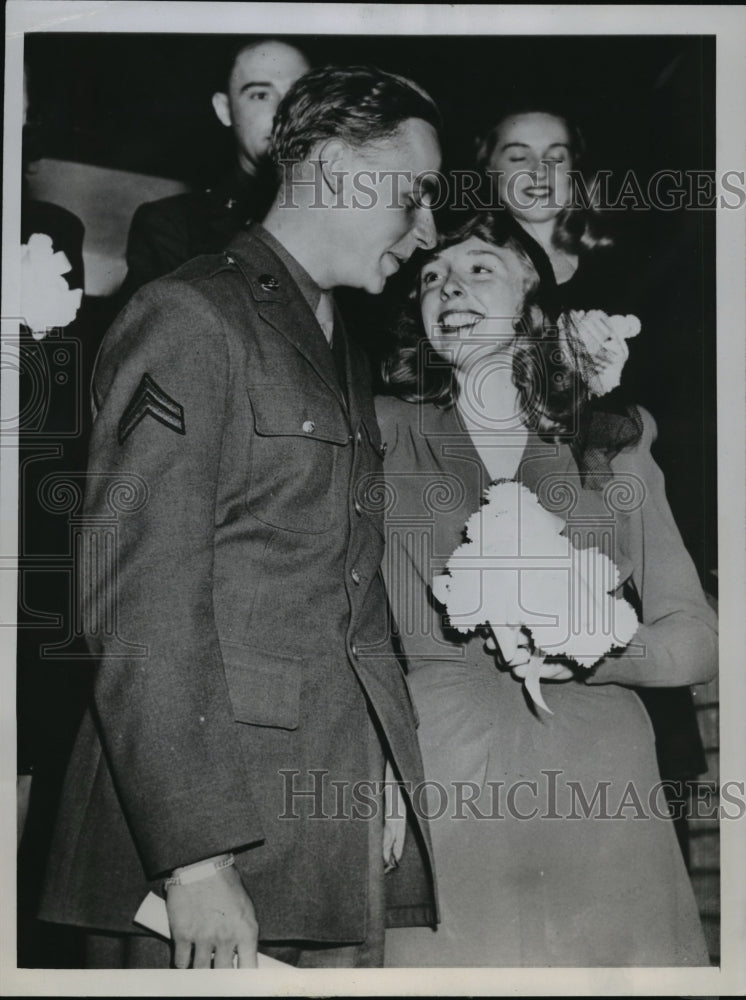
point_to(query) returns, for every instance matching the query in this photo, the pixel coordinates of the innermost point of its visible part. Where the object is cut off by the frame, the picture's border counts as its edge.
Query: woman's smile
(454, 321)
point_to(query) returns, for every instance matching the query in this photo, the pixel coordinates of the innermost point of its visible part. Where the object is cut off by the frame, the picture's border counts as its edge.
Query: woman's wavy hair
(580, 225)
(546, 369)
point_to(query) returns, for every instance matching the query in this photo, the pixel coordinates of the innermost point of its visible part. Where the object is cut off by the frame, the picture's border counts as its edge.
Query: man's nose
(424, 230)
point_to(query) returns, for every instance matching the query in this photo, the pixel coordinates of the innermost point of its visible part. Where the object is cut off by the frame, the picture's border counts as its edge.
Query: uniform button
(353, 649)
(383, 449)
(231, 260)
(358, 508)
(268, 282)
(359, 436)
(355, 576)
(308, 427)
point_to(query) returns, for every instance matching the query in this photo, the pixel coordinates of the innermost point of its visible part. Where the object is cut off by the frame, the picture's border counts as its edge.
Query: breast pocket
(297, 446)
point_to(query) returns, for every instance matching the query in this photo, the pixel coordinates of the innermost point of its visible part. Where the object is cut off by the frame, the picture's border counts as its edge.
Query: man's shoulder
(171, 209)
(236, 280)
(229, 289)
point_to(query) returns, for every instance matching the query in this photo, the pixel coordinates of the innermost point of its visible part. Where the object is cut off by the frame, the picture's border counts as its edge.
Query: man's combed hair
(359, 104)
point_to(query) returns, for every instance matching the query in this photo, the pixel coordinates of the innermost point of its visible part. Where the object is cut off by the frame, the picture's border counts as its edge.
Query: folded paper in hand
(153, 915)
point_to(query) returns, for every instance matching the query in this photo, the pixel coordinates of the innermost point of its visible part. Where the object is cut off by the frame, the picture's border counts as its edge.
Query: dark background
(142, 103)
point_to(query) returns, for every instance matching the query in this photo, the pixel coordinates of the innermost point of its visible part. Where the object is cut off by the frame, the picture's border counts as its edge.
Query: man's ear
(222, 108)
(333, 157)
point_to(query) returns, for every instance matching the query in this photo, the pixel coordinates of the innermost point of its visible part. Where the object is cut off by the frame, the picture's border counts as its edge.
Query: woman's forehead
(475, 247)
(535, 125)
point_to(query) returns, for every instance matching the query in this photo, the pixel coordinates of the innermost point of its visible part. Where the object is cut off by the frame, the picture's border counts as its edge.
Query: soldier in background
(166, 233)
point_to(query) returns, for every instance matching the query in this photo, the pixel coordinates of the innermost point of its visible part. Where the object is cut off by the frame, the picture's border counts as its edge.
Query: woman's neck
(542, 232)
(490, 408)
(564, 264)
(487, 398)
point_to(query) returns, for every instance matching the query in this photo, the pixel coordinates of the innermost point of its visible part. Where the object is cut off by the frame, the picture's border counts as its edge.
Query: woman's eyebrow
(525, 145)
(492, 253)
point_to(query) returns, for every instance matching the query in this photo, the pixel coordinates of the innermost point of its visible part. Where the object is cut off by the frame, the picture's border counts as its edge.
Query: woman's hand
(604, 339)
(547, 671)
(513, 647)
(395, 820)
(510, 643)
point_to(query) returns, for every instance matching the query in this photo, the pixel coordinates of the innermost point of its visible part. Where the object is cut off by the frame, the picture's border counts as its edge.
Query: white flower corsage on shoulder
(601, 345)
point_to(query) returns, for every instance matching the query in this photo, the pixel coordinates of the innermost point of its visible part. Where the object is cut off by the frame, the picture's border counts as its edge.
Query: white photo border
(728, 25)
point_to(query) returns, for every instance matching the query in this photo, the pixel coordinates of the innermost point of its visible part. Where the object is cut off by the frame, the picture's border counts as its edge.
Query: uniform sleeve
(677, 642)
(161, 700)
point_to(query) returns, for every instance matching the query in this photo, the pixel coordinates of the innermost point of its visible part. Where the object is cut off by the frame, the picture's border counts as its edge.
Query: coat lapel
(281, 304)
(546, 468)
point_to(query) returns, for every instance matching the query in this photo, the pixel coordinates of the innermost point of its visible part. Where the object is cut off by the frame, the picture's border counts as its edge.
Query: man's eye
(429, 277)
(481, 269)
(259, 95)
(517, 159)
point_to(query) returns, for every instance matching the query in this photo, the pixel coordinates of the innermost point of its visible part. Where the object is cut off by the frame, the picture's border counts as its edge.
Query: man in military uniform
(247, 692)
(168, 232)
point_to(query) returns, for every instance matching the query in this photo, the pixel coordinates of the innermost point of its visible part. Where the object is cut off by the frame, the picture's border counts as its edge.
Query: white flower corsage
(46, 299)
(602, 342)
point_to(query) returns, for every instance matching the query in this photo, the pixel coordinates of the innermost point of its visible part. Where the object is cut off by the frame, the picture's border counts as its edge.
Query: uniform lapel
(341, 356)
(281, 304)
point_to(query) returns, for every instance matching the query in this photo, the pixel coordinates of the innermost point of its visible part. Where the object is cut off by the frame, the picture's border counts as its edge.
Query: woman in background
(535, 158)
(533, 153)
(527, 874)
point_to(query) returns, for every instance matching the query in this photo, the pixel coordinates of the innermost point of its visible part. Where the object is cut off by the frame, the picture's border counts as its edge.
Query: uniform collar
(275, 282)
(308, 287)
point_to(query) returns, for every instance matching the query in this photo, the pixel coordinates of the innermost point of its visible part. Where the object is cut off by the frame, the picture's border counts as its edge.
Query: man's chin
(375, 285)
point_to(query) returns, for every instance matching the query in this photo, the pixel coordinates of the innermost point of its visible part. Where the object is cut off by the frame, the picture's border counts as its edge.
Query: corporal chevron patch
(150, 400)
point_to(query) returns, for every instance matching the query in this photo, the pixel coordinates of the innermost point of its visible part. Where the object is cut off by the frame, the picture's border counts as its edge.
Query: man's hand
(215, 916)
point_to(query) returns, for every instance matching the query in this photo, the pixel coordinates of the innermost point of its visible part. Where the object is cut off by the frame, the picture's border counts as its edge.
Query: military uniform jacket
(238, 609)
